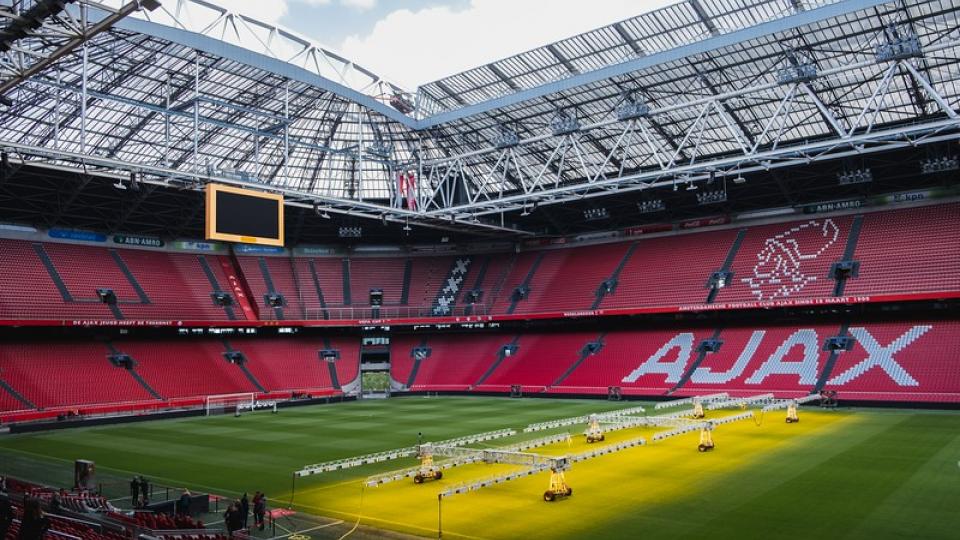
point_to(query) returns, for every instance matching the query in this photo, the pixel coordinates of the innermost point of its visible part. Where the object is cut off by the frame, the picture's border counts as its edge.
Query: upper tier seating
(385, 273)
(567, 279)
(174, 284)
(274, 275)
(913, 250)
(670, 270)
(787, 260)
(906, 251)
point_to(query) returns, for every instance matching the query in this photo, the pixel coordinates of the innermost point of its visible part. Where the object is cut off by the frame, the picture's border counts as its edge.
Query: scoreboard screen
(243, 215)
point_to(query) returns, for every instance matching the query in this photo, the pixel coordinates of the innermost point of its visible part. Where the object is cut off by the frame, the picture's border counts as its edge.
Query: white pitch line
(318, 527)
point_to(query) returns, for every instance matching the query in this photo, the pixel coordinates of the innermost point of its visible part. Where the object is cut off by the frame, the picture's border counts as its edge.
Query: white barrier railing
(737, 402)
(410, 451)
(410, 472)
(783, 404)
(690, 400)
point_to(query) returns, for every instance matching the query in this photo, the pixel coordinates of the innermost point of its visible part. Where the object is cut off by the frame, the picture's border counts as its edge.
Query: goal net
(229, 403)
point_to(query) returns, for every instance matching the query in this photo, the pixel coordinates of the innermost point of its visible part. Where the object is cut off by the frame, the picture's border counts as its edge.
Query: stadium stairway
(711, 344)
(332, 366)
(446, 297)
(405, 289)
(419, 354)
(836, 274)
(215, 288)
(609, 285)
(590, 348)
(347, 290)
(7, 404)
(507, 350)
(318, 288)
(832, 359)
(132, 370)
(234, 276)
(271, 289)
(521, 291)
(724, 271)
(137, 288)
(238, 359)
(477, 287)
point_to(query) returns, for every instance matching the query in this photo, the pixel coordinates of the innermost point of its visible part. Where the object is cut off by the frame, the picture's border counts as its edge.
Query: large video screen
(243, 215)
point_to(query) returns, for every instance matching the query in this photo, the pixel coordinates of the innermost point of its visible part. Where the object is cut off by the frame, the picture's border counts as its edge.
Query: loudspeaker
(235, 357)
(221, 298)
(329, 355)
(107, 296)
(275, 300)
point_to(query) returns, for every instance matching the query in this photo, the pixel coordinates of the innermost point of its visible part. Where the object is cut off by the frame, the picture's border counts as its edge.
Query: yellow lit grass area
(650, 490)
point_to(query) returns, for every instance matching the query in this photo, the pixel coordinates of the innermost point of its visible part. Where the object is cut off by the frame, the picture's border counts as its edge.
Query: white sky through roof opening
(423, 44)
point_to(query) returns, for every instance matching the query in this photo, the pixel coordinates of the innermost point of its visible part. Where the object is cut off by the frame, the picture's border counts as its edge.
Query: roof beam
(247, 57)
(704, 18)
(741, 127)
(564, 61)
(76, 41)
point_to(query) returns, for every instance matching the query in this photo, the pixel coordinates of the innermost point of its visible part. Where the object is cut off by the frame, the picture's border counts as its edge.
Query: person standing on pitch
(245, 509)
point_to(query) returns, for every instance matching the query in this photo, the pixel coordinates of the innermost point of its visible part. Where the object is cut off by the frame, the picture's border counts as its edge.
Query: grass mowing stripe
(929, 494)
(853, 482)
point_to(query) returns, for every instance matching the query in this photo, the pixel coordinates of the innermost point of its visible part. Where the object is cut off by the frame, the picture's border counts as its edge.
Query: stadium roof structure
(693, 93)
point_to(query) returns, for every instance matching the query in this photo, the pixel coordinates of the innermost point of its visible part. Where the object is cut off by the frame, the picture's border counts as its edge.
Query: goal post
(229, 403)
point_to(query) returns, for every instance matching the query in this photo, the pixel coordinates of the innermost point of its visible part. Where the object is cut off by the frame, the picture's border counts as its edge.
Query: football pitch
(848, 473)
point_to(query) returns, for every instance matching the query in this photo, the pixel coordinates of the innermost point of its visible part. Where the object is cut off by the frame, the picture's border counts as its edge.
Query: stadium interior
(659, 230)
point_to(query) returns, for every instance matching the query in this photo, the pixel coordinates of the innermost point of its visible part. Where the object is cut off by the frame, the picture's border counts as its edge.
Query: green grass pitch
(853, 473)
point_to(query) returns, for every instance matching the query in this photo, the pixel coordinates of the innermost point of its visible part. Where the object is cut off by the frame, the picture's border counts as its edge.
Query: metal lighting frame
(192, 93)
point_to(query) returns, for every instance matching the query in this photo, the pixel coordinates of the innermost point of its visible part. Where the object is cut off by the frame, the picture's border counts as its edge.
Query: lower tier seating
(294, 364)
(78, 376)
(914, 362)
(65, 374)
